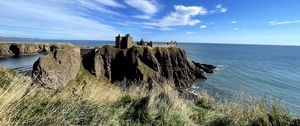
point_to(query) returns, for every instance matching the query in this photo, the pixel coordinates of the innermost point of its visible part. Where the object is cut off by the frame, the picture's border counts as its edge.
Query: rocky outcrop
(57, 68)
(136, 65)
(145, 64)
(4, 50)
(18, 49)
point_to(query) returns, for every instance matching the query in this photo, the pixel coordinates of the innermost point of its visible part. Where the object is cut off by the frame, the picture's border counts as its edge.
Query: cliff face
(145, 64)
(18, 49)
(136, 65)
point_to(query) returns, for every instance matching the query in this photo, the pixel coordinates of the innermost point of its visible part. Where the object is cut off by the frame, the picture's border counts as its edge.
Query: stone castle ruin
(124, 42)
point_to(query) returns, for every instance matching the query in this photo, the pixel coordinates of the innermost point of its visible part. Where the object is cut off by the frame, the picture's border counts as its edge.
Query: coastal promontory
(134, 65)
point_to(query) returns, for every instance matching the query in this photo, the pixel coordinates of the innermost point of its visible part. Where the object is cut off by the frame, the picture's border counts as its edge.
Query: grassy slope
(87, 101)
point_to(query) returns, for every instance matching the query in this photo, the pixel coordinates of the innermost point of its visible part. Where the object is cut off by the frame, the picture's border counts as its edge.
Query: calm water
(256, 70)
(20, 63)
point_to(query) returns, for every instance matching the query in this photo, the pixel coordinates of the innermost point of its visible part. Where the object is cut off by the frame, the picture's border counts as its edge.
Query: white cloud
(219, 6)
(283, 22)
(50, 19)
(233, 22)
(236, 28)
(146, 6)
(189, 33)
(111, 3)
(182, 16)
(219, 9)
(203, 26)
(149, 27)
(223, 10)
(142, 16)
(128, 23)
(84, 4)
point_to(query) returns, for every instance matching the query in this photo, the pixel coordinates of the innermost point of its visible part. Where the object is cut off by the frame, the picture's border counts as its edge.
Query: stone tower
(123, 42)
(118, 41)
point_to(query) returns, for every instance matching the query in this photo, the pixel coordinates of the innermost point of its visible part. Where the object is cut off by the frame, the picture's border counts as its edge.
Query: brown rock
(56, 69)
(5, 51)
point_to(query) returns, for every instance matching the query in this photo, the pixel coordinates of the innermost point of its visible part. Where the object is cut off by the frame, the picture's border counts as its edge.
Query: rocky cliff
(136, 65)
(18, 49)
(145, 64)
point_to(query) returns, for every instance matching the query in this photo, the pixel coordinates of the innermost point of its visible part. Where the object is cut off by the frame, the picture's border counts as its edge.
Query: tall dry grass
(12, 88)
(90, 101)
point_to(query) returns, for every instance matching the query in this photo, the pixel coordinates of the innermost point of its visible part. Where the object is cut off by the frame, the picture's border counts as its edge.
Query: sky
(275, 22)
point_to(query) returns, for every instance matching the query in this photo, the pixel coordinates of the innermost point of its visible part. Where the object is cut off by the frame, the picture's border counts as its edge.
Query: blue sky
(275, 22)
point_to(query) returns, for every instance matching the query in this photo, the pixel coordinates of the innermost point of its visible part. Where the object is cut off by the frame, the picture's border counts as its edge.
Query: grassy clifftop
(91, 101)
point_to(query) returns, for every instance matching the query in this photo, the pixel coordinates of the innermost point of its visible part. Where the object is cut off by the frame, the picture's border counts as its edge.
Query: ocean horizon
(100, 42)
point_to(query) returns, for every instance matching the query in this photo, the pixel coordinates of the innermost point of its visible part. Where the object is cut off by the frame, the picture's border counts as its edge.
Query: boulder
(205, 67)
(57, 68)
(5, 51)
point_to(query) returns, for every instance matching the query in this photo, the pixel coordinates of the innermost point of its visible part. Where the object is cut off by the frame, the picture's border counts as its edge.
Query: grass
(146, 70)
(88, 101)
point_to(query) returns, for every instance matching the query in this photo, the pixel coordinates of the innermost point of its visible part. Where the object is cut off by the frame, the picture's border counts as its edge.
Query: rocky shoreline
(8, 49)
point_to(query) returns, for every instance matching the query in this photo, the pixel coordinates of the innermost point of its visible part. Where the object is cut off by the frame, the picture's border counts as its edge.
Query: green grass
(88, 101)
(6, 77)
(146, 71)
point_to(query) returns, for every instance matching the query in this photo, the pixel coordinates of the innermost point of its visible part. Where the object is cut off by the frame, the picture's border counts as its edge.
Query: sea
(257, 71)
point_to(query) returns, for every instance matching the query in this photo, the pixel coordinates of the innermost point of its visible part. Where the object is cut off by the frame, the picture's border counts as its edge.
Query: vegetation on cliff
(91, 101)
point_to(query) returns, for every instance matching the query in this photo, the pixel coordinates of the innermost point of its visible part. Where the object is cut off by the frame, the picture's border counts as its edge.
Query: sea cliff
(135, 65)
